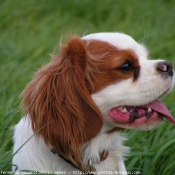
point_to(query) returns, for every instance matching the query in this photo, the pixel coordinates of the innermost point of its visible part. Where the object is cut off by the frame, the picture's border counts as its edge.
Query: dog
(78, 105)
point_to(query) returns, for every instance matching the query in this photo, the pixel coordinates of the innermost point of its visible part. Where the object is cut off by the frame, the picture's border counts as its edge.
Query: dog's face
(129, 84)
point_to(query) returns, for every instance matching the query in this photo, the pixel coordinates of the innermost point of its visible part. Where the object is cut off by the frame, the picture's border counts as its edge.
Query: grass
(30, 30)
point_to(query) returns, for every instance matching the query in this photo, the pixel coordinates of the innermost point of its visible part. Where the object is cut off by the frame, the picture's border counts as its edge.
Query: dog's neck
(100, 153)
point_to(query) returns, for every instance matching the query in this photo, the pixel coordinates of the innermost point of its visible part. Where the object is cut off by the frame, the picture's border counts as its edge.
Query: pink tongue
(159, 107)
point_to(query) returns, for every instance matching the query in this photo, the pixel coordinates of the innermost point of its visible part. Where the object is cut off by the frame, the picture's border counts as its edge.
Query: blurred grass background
(30, 30)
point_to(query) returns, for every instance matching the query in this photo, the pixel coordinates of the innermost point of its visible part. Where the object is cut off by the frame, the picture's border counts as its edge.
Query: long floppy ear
(58, 99)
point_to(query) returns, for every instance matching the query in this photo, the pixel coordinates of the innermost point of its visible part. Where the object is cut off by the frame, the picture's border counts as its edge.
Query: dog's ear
(59, 102)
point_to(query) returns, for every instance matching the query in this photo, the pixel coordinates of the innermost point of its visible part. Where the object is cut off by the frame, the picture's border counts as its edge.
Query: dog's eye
(126, 67)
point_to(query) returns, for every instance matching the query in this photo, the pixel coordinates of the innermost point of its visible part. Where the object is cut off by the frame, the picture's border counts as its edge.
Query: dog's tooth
(149, 109)
(124, 110)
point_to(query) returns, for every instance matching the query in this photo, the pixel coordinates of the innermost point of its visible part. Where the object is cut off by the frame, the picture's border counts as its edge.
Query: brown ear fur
(58, 99)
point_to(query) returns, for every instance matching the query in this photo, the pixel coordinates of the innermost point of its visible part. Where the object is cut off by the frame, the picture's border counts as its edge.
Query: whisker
(148, 35)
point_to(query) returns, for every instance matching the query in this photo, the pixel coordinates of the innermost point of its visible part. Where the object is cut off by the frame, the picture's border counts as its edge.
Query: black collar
(71, 163)
(102, 155)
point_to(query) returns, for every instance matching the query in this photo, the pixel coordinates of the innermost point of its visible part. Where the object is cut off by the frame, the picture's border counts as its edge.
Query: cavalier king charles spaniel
(78, 105)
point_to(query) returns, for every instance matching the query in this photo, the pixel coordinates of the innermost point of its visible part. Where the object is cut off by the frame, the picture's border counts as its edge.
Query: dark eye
(126, 67)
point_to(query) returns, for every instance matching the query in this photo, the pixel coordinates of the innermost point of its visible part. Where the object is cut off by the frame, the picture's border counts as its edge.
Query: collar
(103, 156)
(89, 169)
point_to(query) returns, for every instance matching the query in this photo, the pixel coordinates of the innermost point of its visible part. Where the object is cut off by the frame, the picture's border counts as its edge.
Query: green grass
(30, 30)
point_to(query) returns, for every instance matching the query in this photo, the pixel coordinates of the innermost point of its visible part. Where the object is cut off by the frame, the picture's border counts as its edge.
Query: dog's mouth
(129, 114)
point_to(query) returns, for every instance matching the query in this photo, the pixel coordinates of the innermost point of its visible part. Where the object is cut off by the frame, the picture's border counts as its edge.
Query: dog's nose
(165, 67)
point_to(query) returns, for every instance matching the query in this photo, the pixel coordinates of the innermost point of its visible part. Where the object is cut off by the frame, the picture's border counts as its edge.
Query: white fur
(35, 155)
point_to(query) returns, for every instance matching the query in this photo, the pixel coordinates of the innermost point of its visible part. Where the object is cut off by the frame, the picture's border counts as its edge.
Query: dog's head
(103, 78)
(129, 99)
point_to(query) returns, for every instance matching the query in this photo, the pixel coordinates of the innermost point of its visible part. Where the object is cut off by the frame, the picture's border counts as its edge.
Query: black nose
(166, 68)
